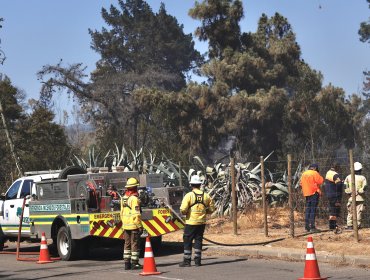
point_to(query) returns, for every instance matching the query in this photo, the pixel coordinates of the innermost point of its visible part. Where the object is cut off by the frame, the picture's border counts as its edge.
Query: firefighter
(360, 185)
(195, 205)
(310, 182)
(333, 190)
(131, 224)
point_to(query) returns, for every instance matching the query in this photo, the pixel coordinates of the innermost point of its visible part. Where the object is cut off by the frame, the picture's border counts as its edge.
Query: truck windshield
(13, 190)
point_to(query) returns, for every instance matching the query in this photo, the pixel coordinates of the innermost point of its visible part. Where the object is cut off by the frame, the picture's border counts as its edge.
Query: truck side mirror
(2, 196)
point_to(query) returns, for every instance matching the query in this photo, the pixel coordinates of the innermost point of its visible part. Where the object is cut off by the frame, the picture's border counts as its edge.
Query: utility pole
(10, 141)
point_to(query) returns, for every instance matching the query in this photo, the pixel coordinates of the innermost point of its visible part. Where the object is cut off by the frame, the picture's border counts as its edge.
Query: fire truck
(76, 212)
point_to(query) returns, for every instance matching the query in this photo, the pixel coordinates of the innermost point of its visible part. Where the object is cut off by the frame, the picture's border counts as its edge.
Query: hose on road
(240, 244)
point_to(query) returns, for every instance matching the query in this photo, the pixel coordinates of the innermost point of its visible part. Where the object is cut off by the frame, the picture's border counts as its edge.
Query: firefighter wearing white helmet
(131, 224)
(360, 185)
(195, 205)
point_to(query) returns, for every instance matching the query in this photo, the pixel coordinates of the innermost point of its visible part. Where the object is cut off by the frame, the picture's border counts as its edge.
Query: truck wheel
(67, 247)
(2, 239)
(83, 249)
(156, 243)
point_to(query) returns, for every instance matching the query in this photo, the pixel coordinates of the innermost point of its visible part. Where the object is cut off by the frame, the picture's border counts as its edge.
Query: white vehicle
(11, 204)
(74, 209)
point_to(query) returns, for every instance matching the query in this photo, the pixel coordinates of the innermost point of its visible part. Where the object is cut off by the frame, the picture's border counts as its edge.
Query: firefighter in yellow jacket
(360, 186)
(195, 205)
(131, 224)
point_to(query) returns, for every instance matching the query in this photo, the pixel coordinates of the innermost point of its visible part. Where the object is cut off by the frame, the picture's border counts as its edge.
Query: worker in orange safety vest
(311, 180)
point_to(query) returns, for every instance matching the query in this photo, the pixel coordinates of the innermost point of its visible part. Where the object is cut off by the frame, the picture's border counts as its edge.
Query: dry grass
(250, 230)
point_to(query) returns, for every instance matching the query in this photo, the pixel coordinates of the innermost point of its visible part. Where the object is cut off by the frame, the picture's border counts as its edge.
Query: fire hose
(239, 244)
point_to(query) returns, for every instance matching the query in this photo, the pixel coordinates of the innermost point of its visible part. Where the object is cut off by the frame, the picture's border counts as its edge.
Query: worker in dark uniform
(195, 205)
(333, 190)
(131, 224)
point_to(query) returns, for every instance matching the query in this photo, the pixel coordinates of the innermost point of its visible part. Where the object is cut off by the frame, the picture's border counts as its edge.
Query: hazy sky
(40, 32)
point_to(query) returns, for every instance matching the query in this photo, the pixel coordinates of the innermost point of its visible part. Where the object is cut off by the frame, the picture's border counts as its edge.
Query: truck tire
(83, 249)
(66, 246)
(71, 170)
(1, 245)
(2, 239)
(156, 243)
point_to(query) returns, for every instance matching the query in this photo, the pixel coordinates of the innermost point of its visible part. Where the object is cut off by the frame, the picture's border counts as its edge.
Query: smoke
(230, 144)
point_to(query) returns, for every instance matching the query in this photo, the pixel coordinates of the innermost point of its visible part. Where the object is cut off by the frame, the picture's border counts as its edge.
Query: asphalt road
(107, 264)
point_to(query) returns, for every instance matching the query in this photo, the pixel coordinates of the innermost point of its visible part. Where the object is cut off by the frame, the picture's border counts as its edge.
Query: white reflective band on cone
(43, 246)
(148, 255)
(309, 245)
(310, 257)
(147, 244)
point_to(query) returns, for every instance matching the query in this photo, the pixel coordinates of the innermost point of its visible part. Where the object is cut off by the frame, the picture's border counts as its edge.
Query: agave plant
(93, 159)
(216, 178)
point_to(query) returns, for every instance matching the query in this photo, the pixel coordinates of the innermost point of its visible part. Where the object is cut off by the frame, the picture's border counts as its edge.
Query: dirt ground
(251, 230)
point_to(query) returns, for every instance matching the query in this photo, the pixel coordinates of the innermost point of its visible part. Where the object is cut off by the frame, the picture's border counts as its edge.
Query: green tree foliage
(364, 30)
(39, 143)
(220, 24)
(258, 90)
(364, 33)
(10, 98)
(139, 49)
(42, 143)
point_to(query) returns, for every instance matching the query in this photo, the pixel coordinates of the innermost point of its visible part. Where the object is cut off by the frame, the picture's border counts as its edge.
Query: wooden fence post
(264, 204)
(233, 195)
(353, 188)
(290, 192)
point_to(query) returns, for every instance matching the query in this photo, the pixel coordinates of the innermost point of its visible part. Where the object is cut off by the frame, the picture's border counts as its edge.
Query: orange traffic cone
(149, 262)
(311, 268)
(44, 252)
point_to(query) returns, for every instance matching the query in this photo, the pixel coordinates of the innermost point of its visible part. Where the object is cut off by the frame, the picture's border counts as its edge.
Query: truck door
(13, 208)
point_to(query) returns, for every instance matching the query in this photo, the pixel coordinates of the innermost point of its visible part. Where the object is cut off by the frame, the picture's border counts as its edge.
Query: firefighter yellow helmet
(131, 183)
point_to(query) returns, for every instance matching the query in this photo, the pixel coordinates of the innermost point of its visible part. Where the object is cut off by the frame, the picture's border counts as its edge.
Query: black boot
(185, 263)
(136, 265)
(197, 261)
(332, 224)
(127, 265)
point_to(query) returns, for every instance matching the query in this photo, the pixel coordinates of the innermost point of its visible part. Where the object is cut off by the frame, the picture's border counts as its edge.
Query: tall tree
(139, 49)
(12, 112)
(43, 144)
(219, 24)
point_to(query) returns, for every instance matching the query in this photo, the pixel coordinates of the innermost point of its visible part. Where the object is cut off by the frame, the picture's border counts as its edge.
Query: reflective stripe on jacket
(194, 210)
(310, 182)
(333, 184)
(360, 184)
(130, 212)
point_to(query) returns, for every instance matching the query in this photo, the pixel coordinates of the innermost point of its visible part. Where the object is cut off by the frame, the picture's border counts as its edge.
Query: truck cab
(12, 201)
